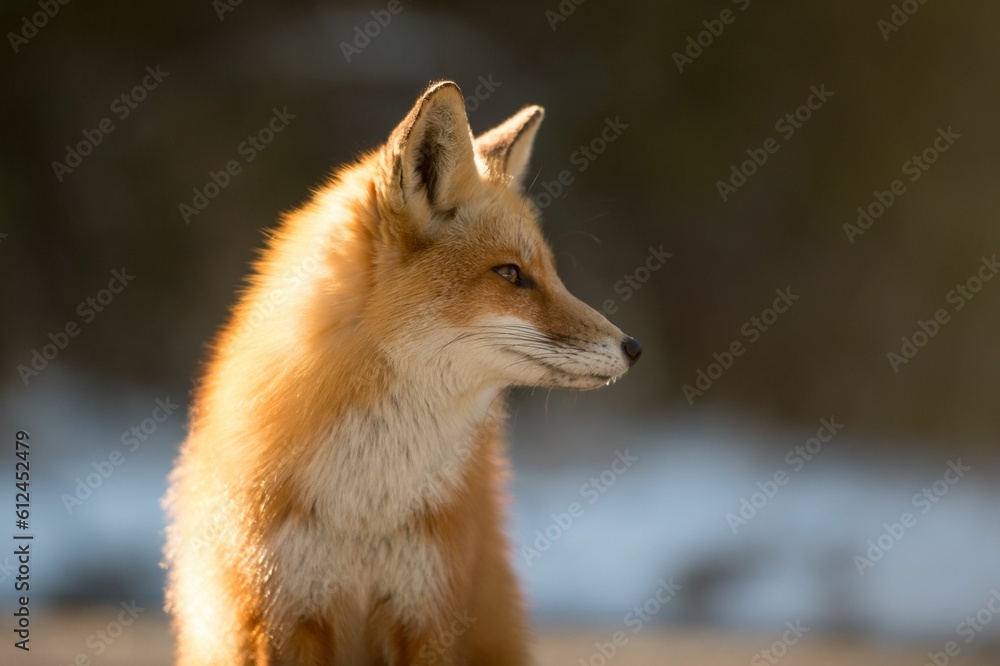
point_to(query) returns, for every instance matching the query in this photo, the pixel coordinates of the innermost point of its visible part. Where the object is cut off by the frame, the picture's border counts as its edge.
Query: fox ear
(433, 157)
(506, 149)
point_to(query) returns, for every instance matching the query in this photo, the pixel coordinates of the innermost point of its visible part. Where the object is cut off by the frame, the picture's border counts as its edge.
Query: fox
(340, 496)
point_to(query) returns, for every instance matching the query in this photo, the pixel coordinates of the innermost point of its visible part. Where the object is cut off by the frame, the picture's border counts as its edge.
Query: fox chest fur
(355, 535)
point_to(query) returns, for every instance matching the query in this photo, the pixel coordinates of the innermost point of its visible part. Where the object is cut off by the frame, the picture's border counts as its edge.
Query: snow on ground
(666, 517)
(654, 520)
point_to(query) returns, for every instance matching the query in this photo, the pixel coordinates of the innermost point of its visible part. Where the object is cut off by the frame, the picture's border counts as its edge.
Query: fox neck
(405, 452)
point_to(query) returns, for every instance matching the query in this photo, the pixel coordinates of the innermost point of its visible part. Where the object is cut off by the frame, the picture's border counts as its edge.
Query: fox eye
(511, 273)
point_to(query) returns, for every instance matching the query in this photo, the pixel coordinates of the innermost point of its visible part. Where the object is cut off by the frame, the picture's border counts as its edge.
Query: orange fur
(338, 500)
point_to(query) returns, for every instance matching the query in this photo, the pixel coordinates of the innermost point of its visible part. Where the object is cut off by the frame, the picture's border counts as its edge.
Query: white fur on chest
(367, 479)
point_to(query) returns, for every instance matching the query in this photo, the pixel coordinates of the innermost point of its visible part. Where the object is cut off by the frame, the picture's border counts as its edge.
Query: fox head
(434, 265)
(463, 277)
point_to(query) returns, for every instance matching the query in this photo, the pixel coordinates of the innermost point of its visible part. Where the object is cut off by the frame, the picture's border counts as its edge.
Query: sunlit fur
(338, 499)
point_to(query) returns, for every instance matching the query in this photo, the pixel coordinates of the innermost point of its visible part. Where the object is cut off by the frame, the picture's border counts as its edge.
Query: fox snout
(561, 343)
(600, 349)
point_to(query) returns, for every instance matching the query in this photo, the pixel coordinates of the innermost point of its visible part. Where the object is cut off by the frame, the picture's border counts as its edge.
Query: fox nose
(632, 349)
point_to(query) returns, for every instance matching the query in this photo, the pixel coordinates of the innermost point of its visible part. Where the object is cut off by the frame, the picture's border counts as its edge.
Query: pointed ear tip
(534, 112)
(439, 87)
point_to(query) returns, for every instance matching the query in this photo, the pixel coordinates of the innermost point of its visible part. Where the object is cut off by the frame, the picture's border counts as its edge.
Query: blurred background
(820, 344)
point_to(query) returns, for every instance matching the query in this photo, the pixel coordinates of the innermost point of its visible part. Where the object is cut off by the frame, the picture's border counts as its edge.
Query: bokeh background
(898, 77)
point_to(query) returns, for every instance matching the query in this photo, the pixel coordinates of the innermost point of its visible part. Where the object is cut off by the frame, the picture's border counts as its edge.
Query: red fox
(339, 497)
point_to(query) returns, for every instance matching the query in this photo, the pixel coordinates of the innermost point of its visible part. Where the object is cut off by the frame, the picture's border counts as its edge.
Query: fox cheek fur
(339, 497)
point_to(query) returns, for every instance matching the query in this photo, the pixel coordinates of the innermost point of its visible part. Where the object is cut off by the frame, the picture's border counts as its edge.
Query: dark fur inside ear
(426, 165)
